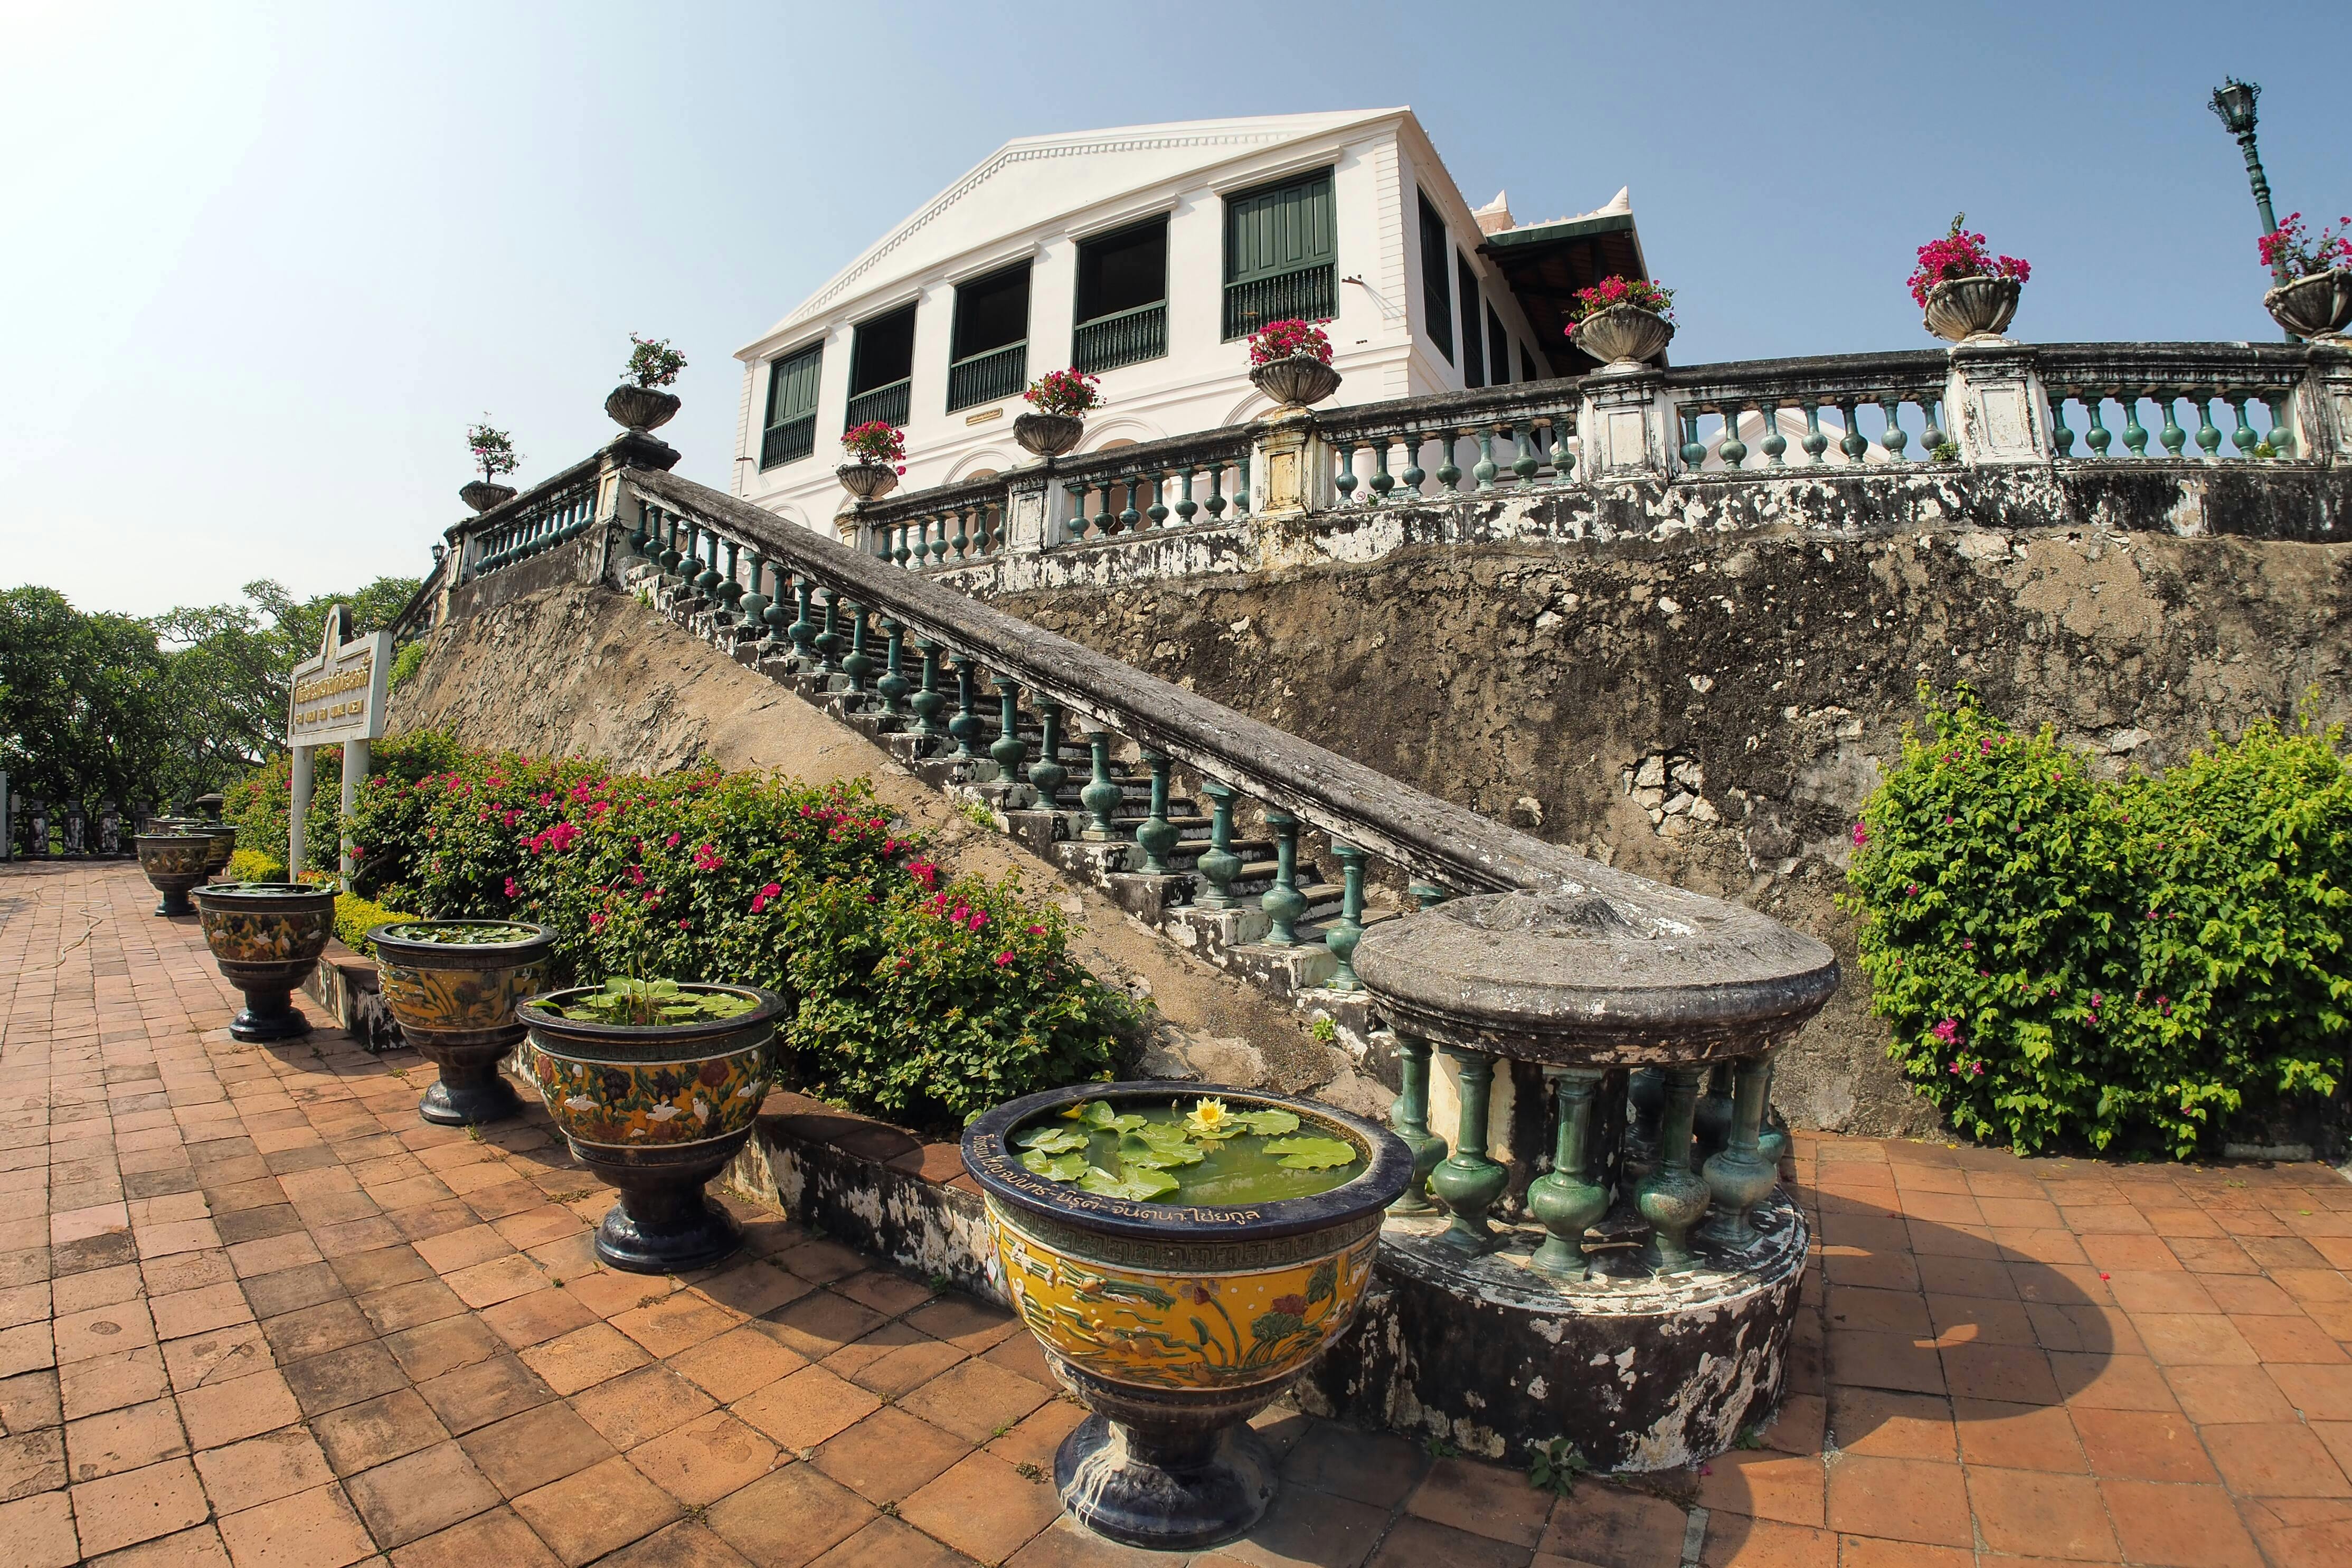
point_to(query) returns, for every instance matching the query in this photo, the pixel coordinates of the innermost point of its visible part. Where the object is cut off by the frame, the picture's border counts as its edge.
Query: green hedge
(920, 998)
(2067, 960)
(355, 916)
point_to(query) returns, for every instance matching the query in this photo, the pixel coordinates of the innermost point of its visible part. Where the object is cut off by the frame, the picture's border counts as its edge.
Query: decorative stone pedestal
(1645, 1372)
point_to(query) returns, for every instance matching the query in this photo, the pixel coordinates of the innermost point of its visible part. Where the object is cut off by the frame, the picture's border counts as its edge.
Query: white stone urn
(484, 494)
(1296, 380)
(866, 481)
(640, 407)
(1960, 308)
(1048, 435)
(2315, 307)
(1624, 337)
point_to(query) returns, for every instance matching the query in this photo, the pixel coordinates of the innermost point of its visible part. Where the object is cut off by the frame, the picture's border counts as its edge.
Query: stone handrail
(1717, 971)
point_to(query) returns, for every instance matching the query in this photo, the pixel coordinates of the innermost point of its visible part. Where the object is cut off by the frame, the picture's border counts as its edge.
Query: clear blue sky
(266, 262)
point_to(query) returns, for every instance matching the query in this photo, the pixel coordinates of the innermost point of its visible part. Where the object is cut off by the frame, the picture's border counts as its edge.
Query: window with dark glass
(1436, 302)
(881, 362)
(1281, 255)
(988, 357)
(1474, 359)
(1122, 305)
(1499, 348)
(790, 432)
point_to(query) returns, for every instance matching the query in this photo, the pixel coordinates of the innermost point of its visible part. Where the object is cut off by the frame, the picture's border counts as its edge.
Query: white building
(1146, 255)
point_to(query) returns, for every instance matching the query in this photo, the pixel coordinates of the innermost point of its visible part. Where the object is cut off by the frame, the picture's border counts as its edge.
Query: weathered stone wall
(1713, 711)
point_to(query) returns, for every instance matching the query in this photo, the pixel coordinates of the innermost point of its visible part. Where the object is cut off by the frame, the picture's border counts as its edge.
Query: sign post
(338, 699)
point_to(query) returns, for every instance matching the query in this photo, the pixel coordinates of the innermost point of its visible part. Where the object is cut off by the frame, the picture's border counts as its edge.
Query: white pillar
(355, 767)
(301, 808)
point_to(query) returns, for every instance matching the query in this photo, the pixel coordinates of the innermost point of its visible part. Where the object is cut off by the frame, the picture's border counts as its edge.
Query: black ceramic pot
(454, 1002)
(656, 1111)
(1174, 1324)
(174, 861)
(267, 938)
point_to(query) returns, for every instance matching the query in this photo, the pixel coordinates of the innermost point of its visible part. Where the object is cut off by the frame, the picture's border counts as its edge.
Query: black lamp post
(2233, 101)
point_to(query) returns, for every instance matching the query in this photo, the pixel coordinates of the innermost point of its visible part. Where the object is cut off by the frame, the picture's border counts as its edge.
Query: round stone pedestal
(1638, 1373)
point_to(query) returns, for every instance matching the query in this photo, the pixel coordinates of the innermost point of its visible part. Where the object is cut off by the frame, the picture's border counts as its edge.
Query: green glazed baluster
(1468, 1182)
(1342, 935)
(1484, 470)
(1242, 484)
(2174, 438)
(1896, 437)
(1815, 443)
(962, 537)
(1186, 507)
(1563, 461)
(2098, 437)
(2209, 434)
(882, 531)
(1156, 836)
(1344, 481)
(1129, 518)
(829, 640)
(857, 666)
(965, 726)
(1932, 434)
(1673, 1197)
(2134, 435)
(1047, 773)
(802, 630)
(2282, 437)
(1412, 474)
(1449, 473)
(1102, 795)
(1283, 903)
(1381, 481)
(1106, 521)
(1219, 865)
(1216, 491)
(1693, 450)
(894, 682)
(1408, 1118)
(2061, 439)
(1525, 462)
(1158, 511)
(1853, 443)
(899, 554)
(1077, 525)
(928, 700)
(2243, 437)
(1009, 749)
(1738, 1176)
(731, 592)
(1731, 448)
(1775, 446)
(1562, 1199)
(939, 544)
(754, 605)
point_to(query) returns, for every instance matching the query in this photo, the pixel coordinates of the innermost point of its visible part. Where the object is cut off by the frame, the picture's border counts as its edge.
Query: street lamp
(2233, 101)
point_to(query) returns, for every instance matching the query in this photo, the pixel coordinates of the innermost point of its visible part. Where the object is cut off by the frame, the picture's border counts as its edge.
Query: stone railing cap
(1585, 977)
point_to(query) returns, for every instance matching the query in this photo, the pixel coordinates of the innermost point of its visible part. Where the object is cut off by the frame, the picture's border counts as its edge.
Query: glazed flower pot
(1048, 435)
(1624, 337)
(174, 862)
(654, 1111)
(484, 494)
(267, 938)
(2313, 307)
(1174, 1324)
(1960, 308)
(1296, 381)
(866, 481)
(455, 1001)
(223, 837)
(640, 407)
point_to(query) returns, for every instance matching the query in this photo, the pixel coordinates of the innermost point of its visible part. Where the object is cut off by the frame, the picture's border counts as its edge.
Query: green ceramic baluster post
(939, 543)
(1107, 522)
(1673, 1197)
(1009, 749)
(1853, 443)
(1413, 474)
(1731, 448)
(802, 630)
(1381, 481)
(1468, 1182)
(927, 700)
(2062, 439)
(1342, 935)
(965, 726)
(1694, 450)
(2243, 437)
(1219, 865)
(1484, 471)
(1047, 773)
(1186, 507)
(1562, 1198)
(1409, 1119)
(894, 683)
(1775, 445)
(2174, 438)
(1344, 478)
(1896, 437)
(1449, 474)
(1075, 524)
(2134, 435)
(1524, 462)
(2098, 437)
(1738, 1176)
(2282, 435)
(2209, 434)
(1216, 501)
(1158, 511)
(1815, 443)
(1102, 795)
(1156, 836)
(1282, 902)
(857, 666)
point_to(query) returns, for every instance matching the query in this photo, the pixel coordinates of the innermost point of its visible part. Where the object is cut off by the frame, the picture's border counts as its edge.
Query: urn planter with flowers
(639, 402)
(1624, 322)
(1964, 290)
(1290, 361)
(175, 861)
(878, 456)
(655, 1085)
(2314, 303)
(1059, 402)
(266, 937)
(1181, 1260)
(453, 987)
(494, 454)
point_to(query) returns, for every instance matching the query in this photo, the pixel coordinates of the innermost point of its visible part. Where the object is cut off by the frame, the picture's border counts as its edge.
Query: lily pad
(1155, 1155)
(1312, 1153)
(1053, 1139)
(1099, 1115)
(1055, 1167)
(1268, 1124)
(1133, 1182)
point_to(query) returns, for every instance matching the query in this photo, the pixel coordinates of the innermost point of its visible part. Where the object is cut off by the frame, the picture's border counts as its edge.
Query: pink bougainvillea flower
(1003, 960)
(1861, 836)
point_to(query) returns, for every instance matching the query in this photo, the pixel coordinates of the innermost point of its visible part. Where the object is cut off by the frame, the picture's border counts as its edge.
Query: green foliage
(405, 663)
(493, 450)
(261, 806)
(1555, 1466)
(2128, 963)
(644, 1003)
(1325, 1029)
(356, 917)
(253, 865)
(653, 362)
(88, 705)
(918, 999)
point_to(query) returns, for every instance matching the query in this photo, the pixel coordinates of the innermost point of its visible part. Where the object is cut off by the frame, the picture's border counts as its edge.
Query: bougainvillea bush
(1960, 253)
(877, 441)
(2129, 964)
(1289, 340)
(2294, 250)
(1067, 392)
(1613, 289)
(920, 998)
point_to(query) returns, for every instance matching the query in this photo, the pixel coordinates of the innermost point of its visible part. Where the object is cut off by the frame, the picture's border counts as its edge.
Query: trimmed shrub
(355, 916)
(2132, 964)
(253, 865)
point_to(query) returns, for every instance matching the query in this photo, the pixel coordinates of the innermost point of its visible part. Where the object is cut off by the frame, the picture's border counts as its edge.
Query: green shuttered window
(1281, 255)
(1436, 302)
(791, 432)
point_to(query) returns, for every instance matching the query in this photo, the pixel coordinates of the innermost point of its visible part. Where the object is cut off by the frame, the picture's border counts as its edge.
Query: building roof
(1034, 179)
(1547, 263)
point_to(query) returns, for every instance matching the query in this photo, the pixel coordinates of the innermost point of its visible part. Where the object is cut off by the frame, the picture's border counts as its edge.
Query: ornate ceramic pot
(454, 1002)
(484, 494)
(174, 862)
(1296, 381)
(1048, 435)
(267, 938)
(1963, 307)
(656, 1111)
(2314, 307)
(223, 837)
(866, 481)
(1624, 337)
(640, 407)
(1174, 1324)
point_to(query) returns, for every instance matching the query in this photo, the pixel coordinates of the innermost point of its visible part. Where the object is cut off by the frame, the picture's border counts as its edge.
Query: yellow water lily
(1209, 1118)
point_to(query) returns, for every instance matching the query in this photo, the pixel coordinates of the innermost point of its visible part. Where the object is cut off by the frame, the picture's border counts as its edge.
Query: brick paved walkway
(253, 1310)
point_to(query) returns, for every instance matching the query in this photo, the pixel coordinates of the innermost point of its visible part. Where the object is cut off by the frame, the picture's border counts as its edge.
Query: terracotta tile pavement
(254, 1311)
